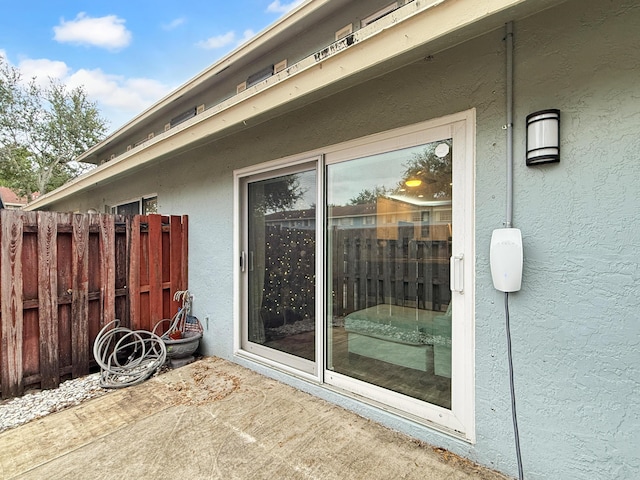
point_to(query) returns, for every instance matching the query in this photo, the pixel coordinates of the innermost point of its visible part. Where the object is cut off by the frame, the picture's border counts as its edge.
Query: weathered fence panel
(11, 308)
(64, 276)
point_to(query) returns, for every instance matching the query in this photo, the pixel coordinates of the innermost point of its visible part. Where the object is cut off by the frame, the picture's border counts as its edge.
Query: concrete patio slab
(214, 419)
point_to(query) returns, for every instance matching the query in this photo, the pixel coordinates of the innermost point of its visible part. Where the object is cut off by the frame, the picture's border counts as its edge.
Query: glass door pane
(280, 267)
(389, 220)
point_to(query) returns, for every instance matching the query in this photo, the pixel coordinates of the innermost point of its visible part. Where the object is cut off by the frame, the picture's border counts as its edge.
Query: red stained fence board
(64, 276)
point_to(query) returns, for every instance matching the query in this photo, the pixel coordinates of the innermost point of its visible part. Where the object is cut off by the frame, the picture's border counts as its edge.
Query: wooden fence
(64, 276)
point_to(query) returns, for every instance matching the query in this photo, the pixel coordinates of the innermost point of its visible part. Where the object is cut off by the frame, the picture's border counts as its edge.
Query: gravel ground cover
(33, 405)
(20, 410)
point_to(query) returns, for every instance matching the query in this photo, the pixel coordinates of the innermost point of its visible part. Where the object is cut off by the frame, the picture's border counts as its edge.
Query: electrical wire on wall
(509, 224)
(512, 388)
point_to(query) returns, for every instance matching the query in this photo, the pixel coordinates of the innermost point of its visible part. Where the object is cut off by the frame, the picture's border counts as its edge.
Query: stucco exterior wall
(577, 333)
(575, 323)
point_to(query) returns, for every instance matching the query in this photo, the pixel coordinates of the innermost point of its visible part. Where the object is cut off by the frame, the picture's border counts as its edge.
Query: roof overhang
(389, 43)
(250, 51)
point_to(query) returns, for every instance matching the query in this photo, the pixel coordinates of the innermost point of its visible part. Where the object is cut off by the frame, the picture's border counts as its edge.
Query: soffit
(392, 44)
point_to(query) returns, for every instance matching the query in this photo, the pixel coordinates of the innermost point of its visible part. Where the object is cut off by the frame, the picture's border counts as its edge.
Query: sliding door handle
(456, 273)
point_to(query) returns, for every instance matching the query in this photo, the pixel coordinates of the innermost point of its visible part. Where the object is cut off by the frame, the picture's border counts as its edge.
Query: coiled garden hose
(127, 357)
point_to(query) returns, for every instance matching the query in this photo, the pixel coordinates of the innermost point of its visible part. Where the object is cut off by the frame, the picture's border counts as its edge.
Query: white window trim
(140, 200)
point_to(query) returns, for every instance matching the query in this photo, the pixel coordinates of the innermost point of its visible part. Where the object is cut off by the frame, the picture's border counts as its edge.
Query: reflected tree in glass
(430, 171)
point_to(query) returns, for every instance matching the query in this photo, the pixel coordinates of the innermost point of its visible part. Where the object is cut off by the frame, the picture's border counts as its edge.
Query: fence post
(122, 229)
(107, 231)
(80, 296)
(48, 298)
(12, 313)
(155, 270)
(134, 273)
(185, 252)
(175, 268)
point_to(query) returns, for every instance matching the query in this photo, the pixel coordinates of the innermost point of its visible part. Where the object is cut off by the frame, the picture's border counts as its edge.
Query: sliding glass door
(399, 271)
(389, 225)
(357, 269)
(278, 262)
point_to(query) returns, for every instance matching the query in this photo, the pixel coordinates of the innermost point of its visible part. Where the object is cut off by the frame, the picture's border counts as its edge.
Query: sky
(127, 54)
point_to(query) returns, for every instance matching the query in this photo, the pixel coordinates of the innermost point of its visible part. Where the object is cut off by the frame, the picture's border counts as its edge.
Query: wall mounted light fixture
(543, 137)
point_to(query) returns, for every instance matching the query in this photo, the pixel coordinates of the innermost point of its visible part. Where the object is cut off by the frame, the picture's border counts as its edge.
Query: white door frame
(459, 421)
(280, 360)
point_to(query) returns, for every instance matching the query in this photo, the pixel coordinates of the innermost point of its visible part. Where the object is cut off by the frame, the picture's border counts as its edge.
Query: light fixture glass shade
(543, 137)
(413, 182)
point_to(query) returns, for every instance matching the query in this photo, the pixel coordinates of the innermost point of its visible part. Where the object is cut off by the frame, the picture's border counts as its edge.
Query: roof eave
(440, 29)
(267, 35)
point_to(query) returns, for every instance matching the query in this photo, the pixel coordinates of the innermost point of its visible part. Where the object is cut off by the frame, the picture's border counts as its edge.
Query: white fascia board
(235, 56)
(380, 41)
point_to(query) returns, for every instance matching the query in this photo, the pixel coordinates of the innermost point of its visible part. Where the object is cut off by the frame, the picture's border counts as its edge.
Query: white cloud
(174, 23)
(277, 7)
(226, 40)
(42, 70)
(130, 94)
(219, 41)
(119, 98)
(246, 36)
(106, 32)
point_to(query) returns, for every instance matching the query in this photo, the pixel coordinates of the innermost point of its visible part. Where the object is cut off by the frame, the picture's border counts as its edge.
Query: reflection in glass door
(389, 239)
(279, 264)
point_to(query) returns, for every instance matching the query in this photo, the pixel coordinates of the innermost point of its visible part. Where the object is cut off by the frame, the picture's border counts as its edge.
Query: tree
(276, 195)
(427, 175)
(42, 131)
